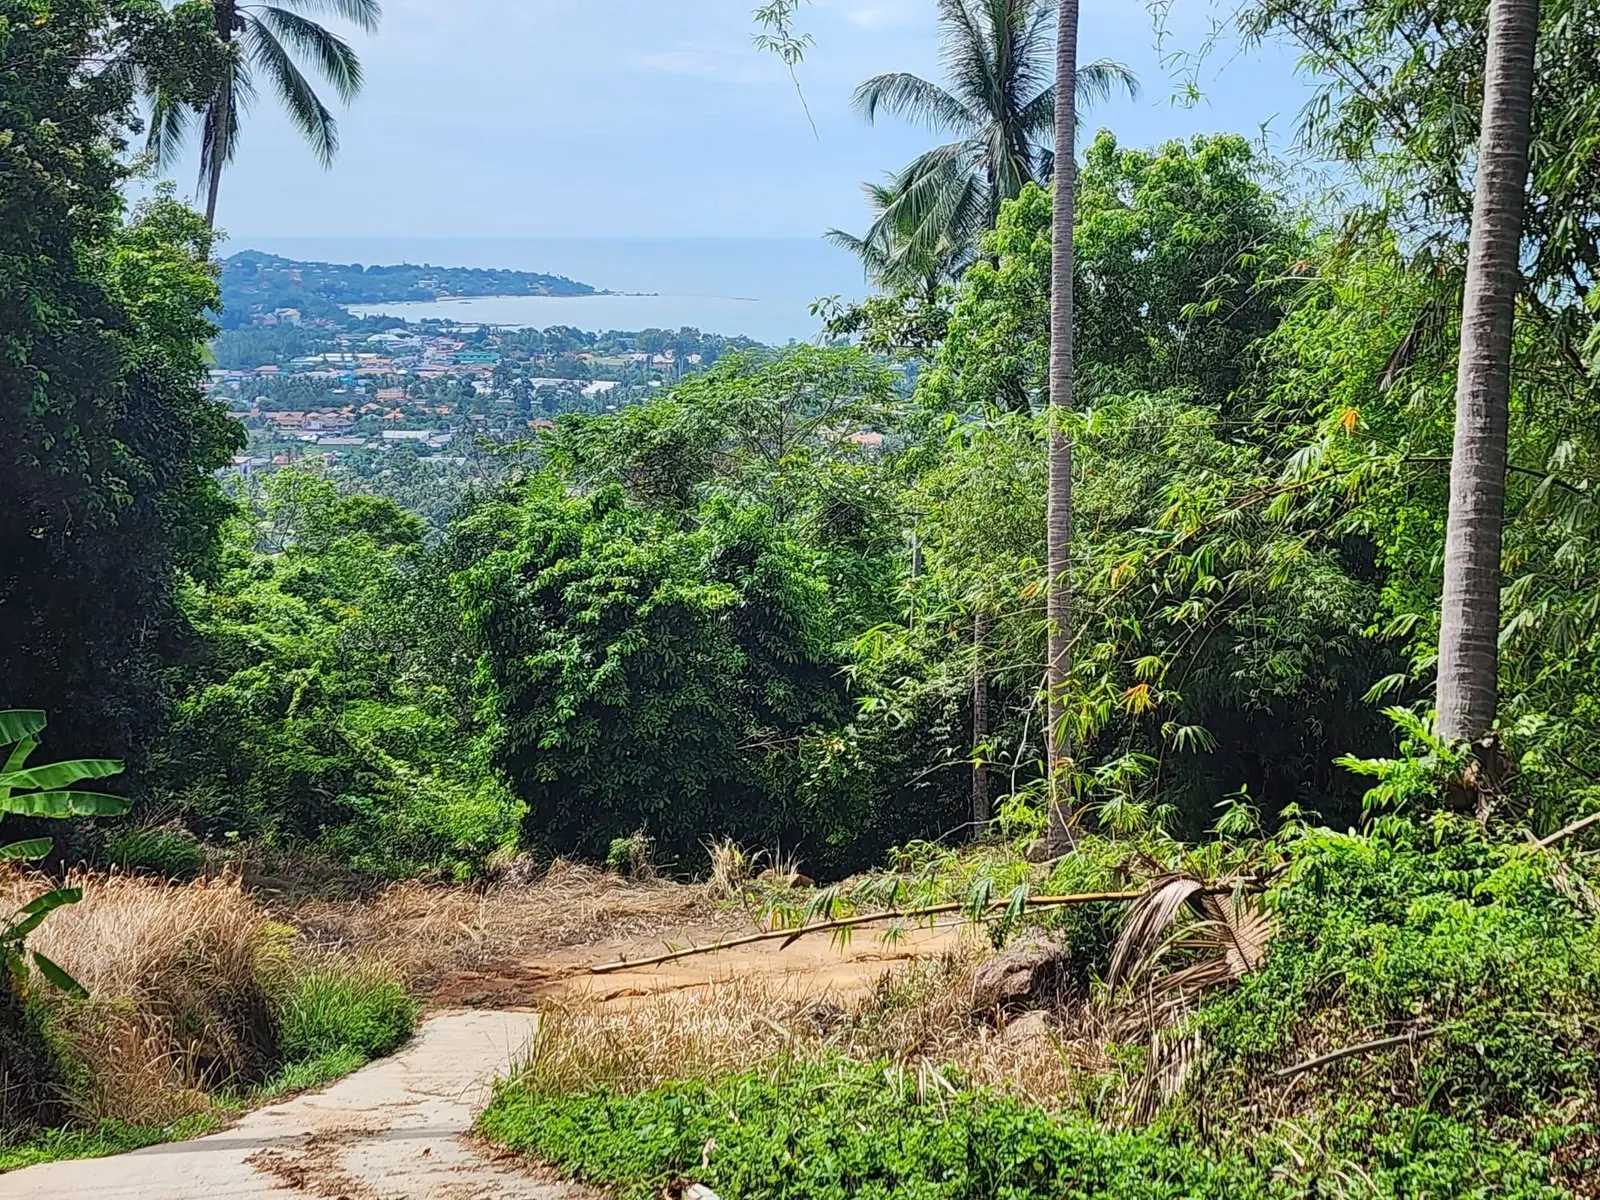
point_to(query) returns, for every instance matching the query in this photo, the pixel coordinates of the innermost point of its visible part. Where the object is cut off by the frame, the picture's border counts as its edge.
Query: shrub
(866, 1131)
(28, 1071)
(1427, 926)
(169, 851)
(344, 1009)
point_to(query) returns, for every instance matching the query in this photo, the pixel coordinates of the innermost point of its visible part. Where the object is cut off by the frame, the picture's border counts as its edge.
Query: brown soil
(811, 966)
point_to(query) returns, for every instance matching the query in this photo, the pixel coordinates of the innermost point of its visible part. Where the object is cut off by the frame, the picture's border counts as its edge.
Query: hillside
(257, 285)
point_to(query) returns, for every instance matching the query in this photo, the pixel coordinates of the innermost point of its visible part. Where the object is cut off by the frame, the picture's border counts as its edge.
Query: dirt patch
(311, 1167)
(436, 934)
(811, 966)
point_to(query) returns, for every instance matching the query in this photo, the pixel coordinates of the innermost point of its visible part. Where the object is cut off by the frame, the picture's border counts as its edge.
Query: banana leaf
(59, 977)
(32, 914)
(61, 774)
(64, 804)
(19, 723)
(23, 851)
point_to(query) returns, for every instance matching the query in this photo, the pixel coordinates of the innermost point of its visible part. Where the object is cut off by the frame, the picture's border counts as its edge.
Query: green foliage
(109, 446)
(314, 717)
(103, 1140)
(629, 663)
(1184, 261)
(340, 1012)
(842, 1129)
(1427, 925)
(168, 851)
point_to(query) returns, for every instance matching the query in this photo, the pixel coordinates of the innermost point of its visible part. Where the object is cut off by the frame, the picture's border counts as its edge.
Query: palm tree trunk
(1469, 629)
(1058, 523)
(219, 132)
(214, 182)
(982, 812)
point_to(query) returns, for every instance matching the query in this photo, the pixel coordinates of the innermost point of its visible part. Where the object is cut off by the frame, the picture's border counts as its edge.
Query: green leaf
(59, 977)
(22, 851)
(66, 804)
(19, 755)
(61, 774)
(17, 724)
(41, 905)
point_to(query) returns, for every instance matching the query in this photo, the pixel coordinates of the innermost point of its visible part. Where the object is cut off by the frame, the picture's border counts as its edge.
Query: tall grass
(196, 999)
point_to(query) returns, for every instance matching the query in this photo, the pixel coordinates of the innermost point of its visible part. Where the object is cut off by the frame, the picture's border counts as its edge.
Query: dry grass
(920, 1018)
(429, 932)
(177, 981)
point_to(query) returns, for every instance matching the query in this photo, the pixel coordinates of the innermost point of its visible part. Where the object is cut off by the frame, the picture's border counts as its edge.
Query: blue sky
(654, 118)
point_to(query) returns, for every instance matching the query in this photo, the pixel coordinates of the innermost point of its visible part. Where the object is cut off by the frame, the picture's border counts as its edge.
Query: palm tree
(266, 38)
(1000, 106)
(1058, 519)
(1469, 629)
(894, 258)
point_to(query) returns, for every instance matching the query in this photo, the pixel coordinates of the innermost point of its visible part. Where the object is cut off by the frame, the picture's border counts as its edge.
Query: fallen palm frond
(978, 908)
(1233, 929)
(1234, 925)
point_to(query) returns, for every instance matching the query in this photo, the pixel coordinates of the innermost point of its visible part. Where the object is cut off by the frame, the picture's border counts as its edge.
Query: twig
(1416, 1035)
(1576, 827)
(932, 910)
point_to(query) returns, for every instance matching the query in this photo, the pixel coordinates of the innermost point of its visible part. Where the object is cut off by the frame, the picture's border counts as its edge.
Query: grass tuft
(361, 1010)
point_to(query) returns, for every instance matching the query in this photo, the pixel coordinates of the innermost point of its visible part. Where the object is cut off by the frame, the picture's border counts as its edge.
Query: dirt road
(396, 1130)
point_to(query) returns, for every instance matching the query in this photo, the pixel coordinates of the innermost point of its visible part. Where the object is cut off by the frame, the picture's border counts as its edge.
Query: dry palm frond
(1232, 932)
(1150, 924)
(1173, 1058)
(1243, 927)
(1236, 929)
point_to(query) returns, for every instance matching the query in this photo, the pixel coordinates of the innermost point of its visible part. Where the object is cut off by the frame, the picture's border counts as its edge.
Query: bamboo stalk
(1576, 827)
(932, 910)
(1311, 1064)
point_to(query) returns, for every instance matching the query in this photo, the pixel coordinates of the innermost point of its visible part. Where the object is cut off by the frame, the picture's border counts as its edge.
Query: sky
(658, 118)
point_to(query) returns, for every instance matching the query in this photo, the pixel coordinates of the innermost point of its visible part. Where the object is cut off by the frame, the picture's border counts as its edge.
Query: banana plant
(43, 791)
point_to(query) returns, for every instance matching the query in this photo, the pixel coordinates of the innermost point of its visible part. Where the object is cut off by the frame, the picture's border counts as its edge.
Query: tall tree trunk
(1469, 629)
(982, 812)
(1058, 523)
(220, 131)
(214, 182)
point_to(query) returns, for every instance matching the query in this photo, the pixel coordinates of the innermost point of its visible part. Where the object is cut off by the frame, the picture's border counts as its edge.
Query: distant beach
(761, 288)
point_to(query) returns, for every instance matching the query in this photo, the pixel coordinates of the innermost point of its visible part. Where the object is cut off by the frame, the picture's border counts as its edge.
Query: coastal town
(318, 387)
(423, 388)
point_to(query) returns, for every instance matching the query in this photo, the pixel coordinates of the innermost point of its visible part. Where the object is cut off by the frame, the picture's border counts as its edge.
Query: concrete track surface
(392, 1131)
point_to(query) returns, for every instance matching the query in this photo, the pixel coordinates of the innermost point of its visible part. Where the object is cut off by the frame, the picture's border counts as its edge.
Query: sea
(761, 288)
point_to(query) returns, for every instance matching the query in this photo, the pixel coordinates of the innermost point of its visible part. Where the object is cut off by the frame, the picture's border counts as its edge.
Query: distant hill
(256, 285)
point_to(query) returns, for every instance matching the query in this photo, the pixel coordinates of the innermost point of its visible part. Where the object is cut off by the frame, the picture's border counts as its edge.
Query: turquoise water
(759, 287)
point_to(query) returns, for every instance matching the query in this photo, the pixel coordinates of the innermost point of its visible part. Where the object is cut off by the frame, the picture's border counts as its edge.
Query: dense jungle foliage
(749, 606)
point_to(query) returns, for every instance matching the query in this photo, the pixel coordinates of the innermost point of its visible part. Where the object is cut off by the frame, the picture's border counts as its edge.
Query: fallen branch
(1576, 827)
(1322, 1060)
(932, 910)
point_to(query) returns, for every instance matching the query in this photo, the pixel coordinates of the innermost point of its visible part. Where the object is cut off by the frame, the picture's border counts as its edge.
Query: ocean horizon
(761, 288)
